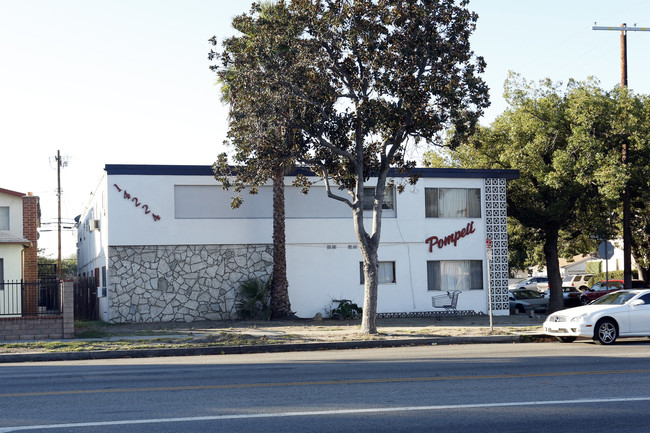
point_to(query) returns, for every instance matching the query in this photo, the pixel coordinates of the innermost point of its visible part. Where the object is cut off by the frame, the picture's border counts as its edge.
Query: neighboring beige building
(19, 223)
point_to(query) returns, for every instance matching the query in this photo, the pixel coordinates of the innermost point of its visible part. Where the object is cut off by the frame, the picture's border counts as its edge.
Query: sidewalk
(210, 338)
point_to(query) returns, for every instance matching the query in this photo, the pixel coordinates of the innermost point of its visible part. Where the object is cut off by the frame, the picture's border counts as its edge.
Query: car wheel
(566, 339)
(521, 309)
(606, 331)
(584, 301)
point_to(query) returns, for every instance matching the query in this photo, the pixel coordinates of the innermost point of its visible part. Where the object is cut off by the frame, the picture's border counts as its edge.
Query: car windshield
(616, 298)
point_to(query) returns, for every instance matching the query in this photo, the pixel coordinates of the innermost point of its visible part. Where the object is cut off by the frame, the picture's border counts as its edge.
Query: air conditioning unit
(93, 225)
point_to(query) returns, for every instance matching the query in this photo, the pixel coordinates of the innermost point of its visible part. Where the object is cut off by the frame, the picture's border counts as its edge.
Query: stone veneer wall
(181, 283)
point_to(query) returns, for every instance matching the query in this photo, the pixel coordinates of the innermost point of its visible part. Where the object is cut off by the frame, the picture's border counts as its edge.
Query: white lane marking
(323, 412)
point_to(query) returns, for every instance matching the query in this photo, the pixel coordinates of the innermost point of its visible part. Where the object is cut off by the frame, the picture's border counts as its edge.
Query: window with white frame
(452, 202)
(369, 198)
(4, 217)
(386, 274)
(455, 275)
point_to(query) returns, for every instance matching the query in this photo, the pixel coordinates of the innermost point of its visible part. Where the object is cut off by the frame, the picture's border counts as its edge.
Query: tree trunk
(556, 301)
(371, 283)
(369, 249)
(280, 305)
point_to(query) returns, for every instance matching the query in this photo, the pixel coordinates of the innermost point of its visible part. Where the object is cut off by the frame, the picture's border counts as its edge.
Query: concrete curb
(268, 348)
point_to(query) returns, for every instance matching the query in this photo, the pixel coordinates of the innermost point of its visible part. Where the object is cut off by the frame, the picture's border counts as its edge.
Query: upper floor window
(369, 198)
(4, 217)
(452, 202)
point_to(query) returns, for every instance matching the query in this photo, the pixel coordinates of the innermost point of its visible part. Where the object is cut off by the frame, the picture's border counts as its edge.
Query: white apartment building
(165, 244)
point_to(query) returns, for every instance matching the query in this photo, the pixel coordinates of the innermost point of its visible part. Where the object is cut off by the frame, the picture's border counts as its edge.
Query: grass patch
(91, 333)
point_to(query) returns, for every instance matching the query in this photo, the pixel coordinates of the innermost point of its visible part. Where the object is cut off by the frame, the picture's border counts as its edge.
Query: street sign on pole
(606, 250)
(488, 253)
(488, 248)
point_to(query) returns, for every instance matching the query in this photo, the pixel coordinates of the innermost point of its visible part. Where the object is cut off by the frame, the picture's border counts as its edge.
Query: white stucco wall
(318, 274)
(93, 244)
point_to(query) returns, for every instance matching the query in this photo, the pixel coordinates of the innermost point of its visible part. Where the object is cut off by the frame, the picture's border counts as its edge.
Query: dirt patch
(334, 330)
(103, 336)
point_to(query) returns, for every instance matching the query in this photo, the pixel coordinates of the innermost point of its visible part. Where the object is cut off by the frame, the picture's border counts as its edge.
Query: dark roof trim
(10, 192)
(206, 170)
(160, 170)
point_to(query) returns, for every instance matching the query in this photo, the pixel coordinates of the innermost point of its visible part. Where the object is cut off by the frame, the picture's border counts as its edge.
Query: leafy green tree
(373, 77)
(618, 117)
(559, 195)
(68, 264)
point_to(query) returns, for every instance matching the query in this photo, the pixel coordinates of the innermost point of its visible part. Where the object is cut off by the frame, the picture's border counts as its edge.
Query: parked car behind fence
(604, 287)
(525, 300)
(577, 281)
(571, 296)
(533, 283)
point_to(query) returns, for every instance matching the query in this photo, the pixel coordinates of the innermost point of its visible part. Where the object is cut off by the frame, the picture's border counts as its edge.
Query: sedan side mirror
(638, 302)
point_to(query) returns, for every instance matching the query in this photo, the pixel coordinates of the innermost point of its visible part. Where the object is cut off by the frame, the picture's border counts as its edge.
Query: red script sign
(450, 239)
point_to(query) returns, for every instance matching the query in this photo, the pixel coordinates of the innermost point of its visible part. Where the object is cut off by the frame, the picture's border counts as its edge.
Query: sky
(127, 81)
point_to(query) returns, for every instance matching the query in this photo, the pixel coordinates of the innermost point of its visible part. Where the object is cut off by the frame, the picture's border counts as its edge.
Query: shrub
(254, 300)
(613, 275)
(346, 310)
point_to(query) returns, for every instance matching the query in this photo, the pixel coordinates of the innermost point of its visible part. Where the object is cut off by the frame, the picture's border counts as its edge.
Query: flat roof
(206, 170)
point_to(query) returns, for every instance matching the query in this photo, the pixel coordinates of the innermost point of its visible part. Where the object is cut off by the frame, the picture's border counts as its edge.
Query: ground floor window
(386, 272)
(455, 275)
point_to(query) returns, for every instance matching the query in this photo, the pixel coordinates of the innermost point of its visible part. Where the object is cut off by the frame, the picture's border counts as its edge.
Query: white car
(533, 283)
(625, 313)
(580, 282)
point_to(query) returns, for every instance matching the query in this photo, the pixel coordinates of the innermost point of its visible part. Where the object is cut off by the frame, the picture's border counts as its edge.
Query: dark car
(524, 300)
(571, 296)
(604, 287)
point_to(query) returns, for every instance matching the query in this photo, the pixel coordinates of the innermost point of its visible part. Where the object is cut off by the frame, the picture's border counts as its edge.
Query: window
(4, 217)
(369, 198)
(645, 299)
(386, 272)
(2, 274)
(455, 275)
(452, 202)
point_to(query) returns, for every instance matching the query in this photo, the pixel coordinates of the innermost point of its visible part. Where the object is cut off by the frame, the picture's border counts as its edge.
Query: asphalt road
(505, 387)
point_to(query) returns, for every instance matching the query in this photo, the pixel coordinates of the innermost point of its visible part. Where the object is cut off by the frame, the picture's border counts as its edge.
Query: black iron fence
(39, 298)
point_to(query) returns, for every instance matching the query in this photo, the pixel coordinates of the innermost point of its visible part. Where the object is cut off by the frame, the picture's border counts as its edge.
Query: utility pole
(58, 220)
(59, 163)
(627, 229)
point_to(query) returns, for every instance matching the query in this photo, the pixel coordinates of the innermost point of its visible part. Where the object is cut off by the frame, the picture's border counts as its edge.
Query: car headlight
(579, 318)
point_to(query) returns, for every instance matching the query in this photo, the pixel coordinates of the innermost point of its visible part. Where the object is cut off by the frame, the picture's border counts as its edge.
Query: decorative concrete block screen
(181, 283)
(497, 230)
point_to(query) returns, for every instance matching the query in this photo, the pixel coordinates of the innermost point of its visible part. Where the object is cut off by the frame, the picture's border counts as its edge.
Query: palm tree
(260, 134)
